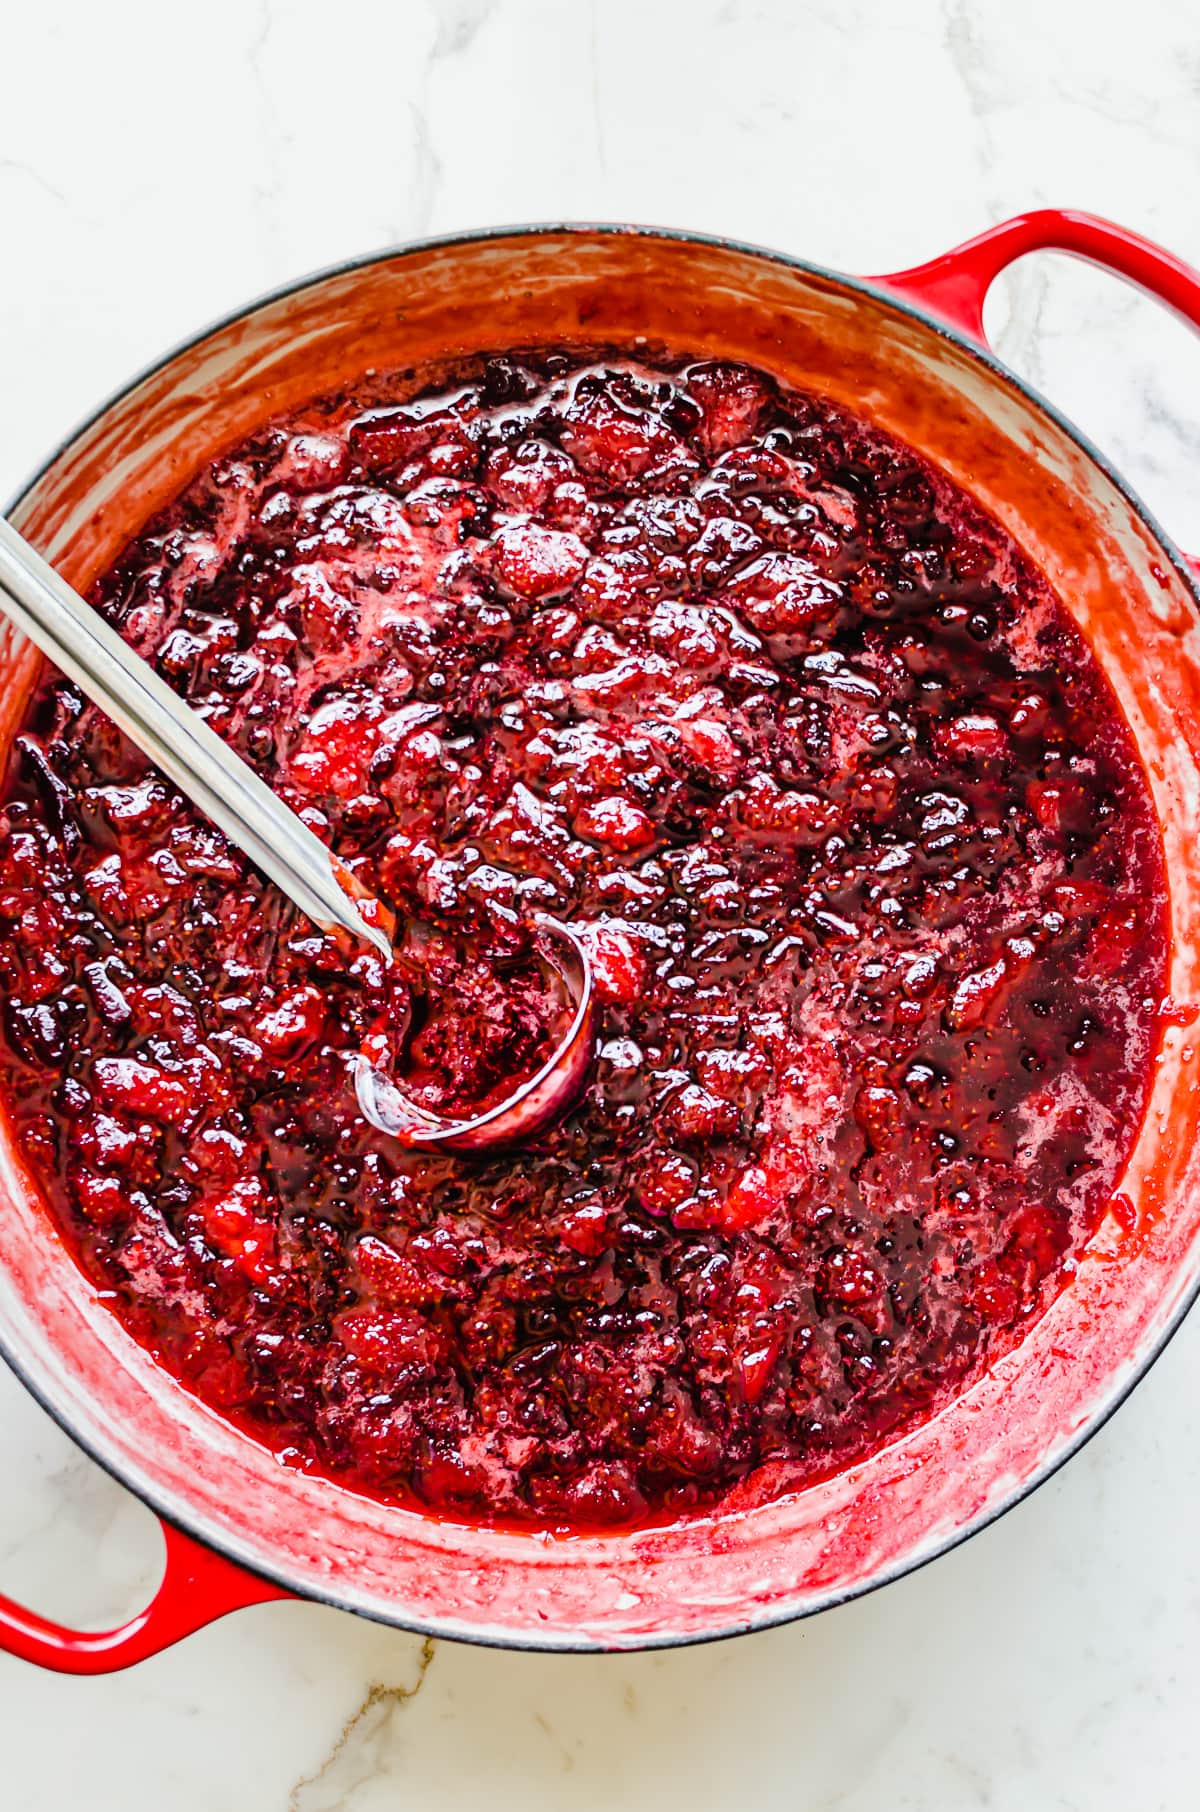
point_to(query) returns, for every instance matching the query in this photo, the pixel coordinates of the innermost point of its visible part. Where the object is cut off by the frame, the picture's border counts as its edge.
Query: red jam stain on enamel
(875, 899)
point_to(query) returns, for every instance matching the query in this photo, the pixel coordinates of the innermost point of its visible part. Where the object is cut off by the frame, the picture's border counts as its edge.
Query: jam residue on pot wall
(869, 871)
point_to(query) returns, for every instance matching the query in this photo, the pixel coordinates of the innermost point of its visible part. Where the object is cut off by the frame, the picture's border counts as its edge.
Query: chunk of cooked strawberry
(1060, 805)
(335, 750)
(537, 562)
(994, 1297)
(292, 1020)
(975, 736)
(694, 1113)
(847, 1278)
(605, 1494)
(692, 634)
(236, 1224)
(616, 822)
(752, 1198)
(732, 1073)
(1038, 1238)
(878, 1110)
(312, 461)
(797, 812)
(733, 399)
(758, 1358)
(389, 1342)
(1116, 937)
(784, 594)
(618, 965)
(329, 615)
(136, 1087)
(664, 1179)
(974, 995)
(385, 437)
(525, 476)
(585, 1229)
(106, 1141)
(101, 1199)
(711, 747)
(611, 440)
(393, 1278)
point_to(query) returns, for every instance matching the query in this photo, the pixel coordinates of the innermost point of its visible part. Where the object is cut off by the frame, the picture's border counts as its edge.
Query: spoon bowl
(538, 1101)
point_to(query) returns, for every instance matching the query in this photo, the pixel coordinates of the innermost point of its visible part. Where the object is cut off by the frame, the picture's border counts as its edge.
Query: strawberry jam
(867, 866)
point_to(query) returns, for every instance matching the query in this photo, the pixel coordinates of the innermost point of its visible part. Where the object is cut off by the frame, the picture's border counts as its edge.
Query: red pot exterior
(719, 1573)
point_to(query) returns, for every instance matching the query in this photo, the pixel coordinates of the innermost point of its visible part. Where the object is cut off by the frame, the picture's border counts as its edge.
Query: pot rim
(876, 290)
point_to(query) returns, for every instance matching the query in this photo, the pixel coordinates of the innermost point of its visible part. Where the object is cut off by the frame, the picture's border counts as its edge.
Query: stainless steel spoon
(78, 640)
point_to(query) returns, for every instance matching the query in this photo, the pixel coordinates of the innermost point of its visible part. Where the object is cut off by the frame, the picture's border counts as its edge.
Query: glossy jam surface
(870, 875)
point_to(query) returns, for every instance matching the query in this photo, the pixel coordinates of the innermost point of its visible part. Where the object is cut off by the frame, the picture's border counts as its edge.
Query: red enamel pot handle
(955, 285)
(197, 1587)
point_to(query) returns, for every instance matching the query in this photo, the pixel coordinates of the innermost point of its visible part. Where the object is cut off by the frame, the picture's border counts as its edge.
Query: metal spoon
(78, 640)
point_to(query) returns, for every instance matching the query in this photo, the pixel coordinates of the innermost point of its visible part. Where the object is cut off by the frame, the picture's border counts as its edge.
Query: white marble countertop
(158, 165)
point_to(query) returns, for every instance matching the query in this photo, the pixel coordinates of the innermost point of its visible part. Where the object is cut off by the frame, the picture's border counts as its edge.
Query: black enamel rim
(171, 1511)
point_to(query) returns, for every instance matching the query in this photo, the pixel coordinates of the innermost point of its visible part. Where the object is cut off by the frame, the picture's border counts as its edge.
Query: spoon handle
(175, 738)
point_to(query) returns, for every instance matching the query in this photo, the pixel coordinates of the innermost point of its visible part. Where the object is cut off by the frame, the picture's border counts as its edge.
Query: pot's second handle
(197, 1587)
(955, 285)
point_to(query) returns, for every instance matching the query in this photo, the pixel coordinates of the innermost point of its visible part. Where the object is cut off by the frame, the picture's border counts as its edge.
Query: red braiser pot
(908, 351)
